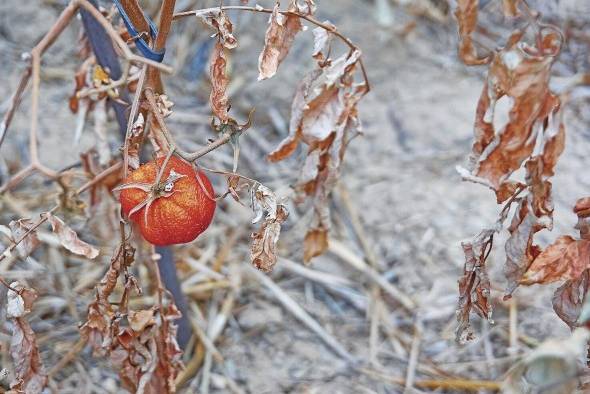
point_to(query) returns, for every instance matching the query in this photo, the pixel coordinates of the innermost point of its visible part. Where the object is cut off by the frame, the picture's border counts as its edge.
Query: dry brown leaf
(30, 242)
(474, 285)
(321, 41)
(510, 7)
(520, 251)
(148, 359)
(139, 320)
(534, 118)
(466, 14)
(141, 344)
(315, 243)
(565, 259)
(219, 81)
(569, 298)
(134, 143)
(307, 8)
(263, 252)
(263, 201)
(323, 115)
(264, 204)
(30, 377)
(97, 328)
(277, 42)
(219, 21)
(289, 144)
(69, 239)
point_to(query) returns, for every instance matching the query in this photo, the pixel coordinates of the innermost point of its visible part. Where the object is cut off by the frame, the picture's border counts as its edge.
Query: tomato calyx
(156, 190)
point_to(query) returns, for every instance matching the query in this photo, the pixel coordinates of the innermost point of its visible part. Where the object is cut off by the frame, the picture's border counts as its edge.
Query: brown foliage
(30, 377)
(69, 239)
(219, 81)
(277, 41)
(18, 229)
(140, 343)
(533, 138)
(323, 116)
(466, 14)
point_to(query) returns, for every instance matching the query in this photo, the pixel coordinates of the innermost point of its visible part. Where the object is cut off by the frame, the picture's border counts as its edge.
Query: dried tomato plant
(531, 141)
(141, 340)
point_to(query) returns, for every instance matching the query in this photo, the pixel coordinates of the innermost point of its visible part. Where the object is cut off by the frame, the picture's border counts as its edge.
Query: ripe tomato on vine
(171, 205)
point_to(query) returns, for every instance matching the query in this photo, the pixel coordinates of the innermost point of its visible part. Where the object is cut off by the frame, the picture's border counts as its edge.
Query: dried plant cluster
(529, 143)
(141, 342)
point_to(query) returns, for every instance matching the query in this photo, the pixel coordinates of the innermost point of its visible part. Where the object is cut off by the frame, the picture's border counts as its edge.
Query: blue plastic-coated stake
(140, 43)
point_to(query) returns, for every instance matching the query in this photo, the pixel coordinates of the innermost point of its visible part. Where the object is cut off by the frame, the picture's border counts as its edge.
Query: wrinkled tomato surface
(180, 216)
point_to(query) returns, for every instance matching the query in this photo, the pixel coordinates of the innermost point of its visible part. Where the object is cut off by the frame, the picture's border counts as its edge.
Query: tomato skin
(178, 218)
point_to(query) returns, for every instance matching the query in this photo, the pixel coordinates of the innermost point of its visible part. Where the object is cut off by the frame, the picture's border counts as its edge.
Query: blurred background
(400, 208)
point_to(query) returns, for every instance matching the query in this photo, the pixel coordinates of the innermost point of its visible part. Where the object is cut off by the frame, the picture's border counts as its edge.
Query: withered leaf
(69, 239)
(30, 242)
(219, 81)
(164, 105)
(28, 368)
(315, 243)
(510, 7)
(534, 118)
(263, 201)
(307, 8)
(569, 298)
(323, 114)
(219, 21)
(474, 285)
(321, 41)
(321, 104)
(139, 320)
(277, 42)
(520, 251)
(289, 144)
(263, 250)
(565, 259)
(466, 14)
(134, 143)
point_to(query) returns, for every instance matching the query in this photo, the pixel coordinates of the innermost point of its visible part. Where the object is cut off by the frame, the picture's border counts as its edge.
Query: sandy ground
(401, 179)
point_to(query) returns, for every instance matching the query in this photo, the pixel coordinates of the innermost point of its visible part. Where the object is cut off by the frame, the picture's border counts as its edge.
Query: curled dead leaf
(510, 7)
(474, 285)
(219, 81)
(466, 14)
(263, 250)
(30, 377)
(69, 239)
(134, 143)
(568, 298)
(19, 228)
(565, 259)
(321, 41)
(219, 21)
(277, 42)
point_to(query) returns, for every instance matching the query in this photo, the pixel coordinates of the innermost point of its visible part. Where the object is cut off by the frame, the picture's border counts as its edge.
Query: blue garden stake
(140, 42)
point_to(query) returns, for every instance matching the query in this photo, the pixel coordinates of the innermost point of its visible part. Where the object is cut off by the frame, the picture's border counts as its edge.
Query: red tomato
(179, 207)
